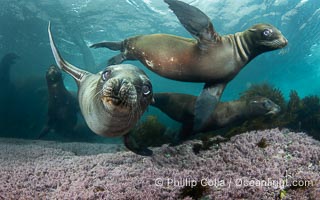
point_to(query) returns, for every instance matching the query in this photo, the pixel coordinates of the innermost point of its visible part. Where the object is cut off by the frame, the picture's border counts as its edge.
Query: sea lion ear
(253, 30)
(195, 21)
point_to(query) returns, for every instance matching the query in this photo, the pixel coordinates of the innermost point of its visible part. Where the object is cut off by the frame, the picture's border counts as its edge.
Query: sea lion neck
(245, 46)
(240, 107)
(57, 85)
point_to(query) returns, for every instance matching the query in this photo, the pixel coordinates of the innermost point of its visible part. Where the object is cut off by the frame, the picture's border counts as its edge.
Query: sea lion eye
(105, 75)
(146, 90)
(267, 32)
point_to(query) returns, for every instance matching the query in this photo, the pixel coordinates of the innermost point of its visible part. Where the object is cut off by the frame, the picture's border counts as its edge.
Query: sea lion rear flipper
(195, 21)
(131, 144)
(75, 72)
(118, 59)
(206, 103)
(115, 46)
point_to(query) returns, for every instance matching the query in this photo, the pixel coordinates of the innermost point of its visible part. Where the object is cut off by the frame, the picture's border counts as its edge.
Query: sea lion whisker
(125, 104)
(283, 51)
(99, 92)
(134, 111)
(138, 109)
(130, 118)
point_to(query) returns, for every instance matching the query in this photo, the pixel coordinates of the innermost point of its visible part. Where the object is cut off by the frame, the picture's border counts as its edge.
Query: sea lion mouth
(274, 111)
(112, 100)
(53, 74)
(274, 44)
(119, 93)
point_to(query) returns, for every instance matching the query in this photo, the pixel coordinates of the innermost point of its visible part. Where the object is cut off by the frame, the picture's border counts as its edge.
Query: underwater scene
(162, 99)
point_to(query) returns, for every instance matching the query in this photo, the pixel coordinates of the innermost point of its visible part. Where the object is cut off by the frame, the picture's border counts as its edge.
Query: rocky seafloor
(270, 164)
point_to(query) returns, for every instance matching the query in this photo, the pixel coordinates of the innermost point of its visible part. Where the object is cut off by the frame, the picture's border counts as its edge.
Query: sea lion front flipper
(131, 144)
(206, 103)
(195, 21)
(186, 131)
(118, 59)
(75, 72)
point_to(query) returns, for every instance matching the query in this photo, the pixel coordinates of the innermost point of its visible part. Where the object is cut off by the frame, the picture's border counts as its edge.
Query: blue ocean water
(78, 23)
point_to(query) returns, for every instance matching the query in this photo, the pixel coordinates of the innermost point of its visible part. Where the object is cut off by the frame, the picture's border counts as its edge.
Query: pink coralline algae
(288, 167)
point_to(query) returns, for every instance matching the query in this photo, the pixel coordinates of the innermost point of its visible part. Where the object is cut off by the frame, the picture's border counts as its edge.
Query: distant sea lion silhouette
(62, 105)
(8, 90)
(179, 107)
(6, 63)
(7, 87)
(210, 58)
(111, 101)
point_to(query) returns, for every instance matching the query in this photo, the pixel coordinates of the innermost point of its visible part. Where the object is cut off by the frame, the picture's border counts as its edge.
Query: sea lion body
(111, 101)
(179, 107)
(112, 121)
(209, 58)
(233, 112)
(62, 105)
(181, 59)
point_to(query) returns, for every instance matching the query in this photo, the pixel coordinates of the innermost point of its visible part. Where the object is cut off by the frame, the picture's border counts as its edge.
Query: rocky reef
(270, 164)
(297, 114)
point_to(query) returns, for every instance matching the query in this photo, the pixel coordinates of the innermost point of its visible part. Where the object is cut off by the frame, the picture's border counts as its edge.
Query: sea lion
(8, 90)
(210, 58)
(63, 107)
(179, 107)
(6, 86)
(111, 101)
(5, 66)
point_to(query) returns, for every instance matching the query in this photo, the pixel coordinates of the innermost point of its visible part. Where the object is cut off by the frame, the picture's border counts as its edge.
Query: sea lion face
(10, 58)
(263, 106)
(266, 37)
(53, 74)
(125, 89)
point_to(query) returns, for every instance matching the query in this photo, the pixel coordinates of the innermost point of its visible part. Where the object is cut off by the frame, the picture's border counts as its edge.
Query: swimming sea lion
(62, 105)
(179, 107)
(210, 58)
(111, 101)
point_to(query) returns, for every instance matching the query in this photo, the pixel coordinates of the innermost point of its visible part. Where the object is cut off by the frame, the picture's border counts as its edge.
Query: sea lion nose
(124, 82)
(127, 91)
(121, 86)
(285, 41)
